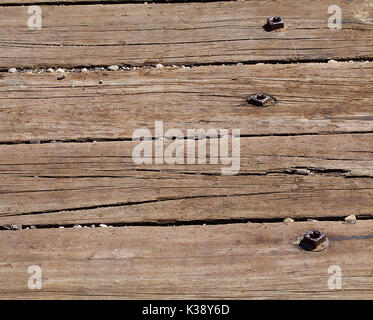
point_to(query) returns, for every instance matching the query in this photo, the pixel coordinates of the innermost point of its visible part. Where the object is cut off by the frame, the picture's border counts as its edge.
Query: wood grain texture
(240, 261)
(279, 177)
(183, 33)
(311, 98)
(308, 156)
(74, 2)
(69, 2)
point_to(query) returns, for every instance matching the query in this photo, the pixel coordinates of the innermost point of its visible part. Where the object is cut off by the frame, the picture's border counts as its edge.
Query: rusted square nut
(274, 23)
(260, 99)
(314, 240)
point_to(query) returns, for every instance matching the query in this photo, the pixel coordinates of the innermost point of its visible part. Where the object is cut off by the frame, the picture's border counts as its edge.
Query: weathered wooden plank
(311, 98)
(241, 261)
(279, 177)
(59, 2)
(183, 33)
(73, 2)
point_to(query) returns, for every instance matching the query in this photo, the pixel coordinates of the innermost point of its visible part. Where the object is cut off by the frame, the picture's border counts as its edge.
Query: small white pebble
(351, 219)
(312, 220)
(77, 226)
(288, 220)
(113, 68)
(86, 227)
(332, 61)
(102, 225)
(159, 65)
(61, 227)
(84, 70)
(61, 76)
(60, 70)
(12, 70)
(239, 64)
(93, 226)
(50, 70)
(32, 227)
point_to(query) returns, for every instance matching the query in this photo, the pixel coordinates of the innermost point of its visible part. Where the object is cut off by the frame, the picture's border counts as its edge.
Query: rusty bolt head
(274, 23)
(260, 99)
(314, 241)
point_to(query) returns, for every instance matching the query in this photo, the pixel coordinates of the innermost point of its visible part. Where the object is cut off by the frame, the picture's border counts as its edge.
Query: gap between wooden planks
(183, 33)
(279, 177)
(240, 261)
(311, 98)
